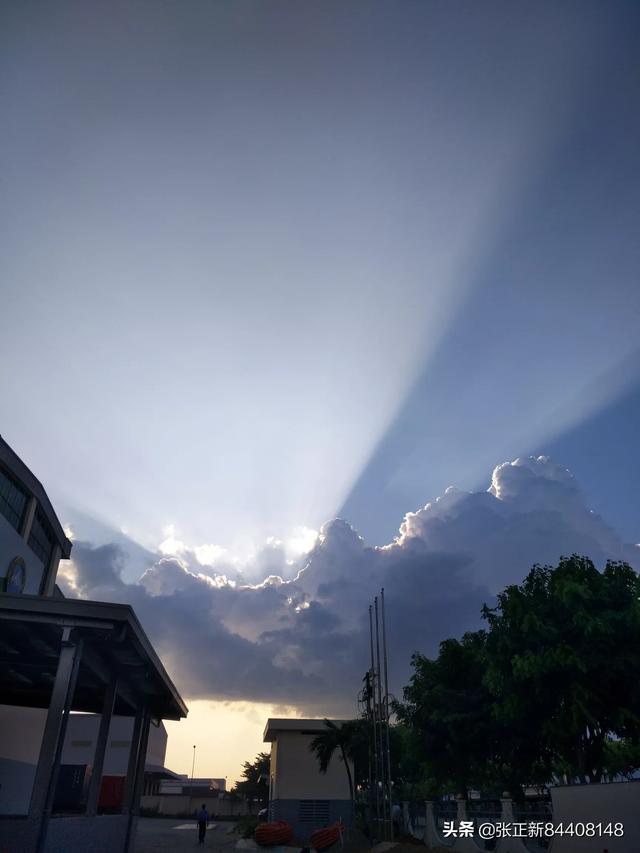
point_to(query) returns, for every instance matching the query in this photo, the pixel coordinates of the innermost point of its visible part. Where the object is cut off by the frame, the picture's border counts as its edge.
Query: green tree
(621, 757)
(447, 708)
(552, 688)
(345, 738)
(563, 663)
(253, 784)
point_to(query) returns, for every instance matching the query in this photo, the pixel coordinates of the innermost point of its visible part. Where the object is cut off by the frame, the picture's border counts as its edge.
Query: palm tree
(337, 737)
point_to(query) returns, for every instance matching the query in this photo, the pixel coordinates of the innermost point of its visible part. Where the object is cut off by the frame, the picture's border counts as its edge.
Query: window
(41, 538)
(13, 500)
(314, 811)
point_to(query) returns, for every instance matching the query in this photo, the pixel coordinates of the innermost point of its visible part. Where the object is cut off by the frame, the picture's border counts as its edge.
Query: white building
(57, 657)
(298, 792)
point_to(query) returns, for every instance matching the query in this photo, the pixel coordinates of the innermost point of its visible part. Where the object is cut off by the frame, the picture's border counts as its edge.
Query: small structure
(61, 656)
(182, 785)
(298, 792)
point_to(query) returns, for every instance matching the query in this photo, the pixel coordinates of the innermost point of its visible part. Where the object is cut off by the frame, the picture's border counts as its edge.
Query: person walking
(396, 817)
(203, 820)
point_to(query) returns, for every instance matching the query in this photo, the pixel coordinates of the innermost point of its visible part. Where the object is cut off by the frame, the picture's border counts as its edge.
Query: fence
(430, 822)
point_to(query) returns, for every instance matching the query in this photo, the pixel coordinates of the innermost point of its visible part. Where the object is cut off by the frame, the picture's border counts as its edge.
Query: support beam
(134, 806)
(101, 745)
(53, 738)
(142, 758)
(127, 799)
(27, 518)
(47, 587)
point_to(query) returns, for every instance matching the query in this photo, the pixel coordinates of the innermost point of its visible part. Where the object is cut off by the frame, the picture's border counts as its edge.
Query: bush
(246, 826)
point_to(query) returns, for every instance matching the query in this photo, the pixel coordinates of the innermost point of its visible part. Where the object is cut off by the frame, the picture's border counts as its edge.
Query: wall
(171, 804)
(617, 801)
(80, 741)
(289, 810)
(13, 545)
(21, 732)
(298, 774)
(273, 765)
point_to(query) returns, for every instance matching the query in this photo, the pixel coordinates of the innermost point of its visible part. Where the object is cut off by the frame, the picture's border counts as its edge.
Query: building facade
(80, 683)
(298, 792)
(32, 541)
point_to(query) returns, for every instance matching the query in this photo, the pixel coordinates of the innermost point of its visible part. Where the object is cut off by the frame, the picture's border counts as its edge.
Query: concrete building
(298, 791)
(59, 656)
(21, 731)
(198, 786)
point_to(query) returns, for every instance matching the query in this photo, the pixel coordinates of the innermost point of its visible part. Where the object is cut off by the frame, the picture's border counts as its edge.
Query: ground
(161, 834)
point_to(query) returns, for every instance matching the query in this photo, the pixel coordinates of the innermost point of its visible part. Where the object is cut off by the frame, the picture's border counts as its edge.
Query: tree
(447, 707)
(552, 688)
(253, 785)
(345, 738)
(563, 655)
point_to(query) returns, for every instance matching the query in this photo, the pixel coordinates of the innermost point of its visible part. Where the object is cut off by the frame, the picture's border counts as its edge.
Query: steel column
(134, 808)
(386, 714)
(127, 799)
(101, 744)
(55, 727)
(376, 764)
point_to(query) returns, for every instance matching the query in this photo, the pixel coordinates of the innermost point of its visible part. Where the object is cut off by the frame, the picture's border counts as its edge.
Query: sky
(264, 265)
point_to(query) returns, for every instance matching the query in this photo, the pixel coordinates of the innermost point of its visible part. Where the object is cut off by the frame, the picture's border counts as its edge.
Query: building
(21, 731)
(298, 792)
(58, 658)
(193, 787)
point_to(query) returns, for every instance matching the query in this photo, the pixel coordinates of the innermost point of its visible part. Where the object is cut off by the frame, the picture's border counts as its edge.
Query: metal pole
(138, 780)
(44, 783)
(375, 728)
(368, 694)
(93, 798)
(386, 709)
(127, 798)
(381, 724)
(193, 764)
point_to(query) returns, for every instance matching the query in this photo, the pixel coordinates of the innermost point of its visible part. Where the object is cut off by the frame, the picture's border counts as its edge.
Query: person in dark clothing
(203, 820)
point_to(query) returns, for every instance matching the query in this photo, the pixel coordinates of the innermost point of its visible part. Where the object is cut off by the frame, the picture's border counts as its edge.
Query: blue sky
(268, 263)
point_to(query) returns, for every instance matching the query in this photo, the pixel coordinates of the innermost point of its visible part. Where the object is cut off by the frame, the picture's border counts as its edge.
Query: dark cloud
(305, 641)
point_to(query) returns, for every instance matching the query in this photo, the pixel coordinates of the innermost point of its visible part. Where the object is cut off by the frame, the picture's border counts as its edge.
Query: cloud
(303, 640)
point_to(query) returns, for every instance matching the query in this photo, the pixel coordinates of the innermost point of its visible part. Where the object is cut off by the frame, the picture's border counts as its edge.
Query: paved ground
(160, 834)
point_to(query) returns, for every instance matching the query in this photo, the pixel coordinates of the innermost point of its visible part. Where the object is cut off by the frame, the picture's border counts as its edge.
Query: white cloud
(171, 545)
(304, 639)
(209, 555)
(302, 541)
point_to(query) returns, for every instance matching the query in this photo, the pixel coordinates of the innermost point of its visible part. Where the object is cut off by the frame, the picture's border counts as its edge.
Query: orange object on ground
(323, 838)
(274, 832)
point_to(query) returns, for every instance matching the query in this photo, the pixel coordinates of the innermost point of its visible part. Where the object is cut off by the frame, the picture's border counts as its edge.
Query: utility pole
(383, 722)
(193, 764)
(374, 724)
(386, 715)
(374, 706)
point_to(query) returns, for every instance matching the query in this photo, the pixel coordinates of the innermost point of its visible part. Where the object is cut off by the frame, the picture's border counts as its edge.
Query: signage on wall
(16, 576)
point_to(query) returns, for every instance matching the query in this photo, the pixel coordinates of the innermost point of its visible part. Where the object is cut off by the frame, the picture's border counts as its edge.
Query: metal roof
(113, 643)
(292, 724)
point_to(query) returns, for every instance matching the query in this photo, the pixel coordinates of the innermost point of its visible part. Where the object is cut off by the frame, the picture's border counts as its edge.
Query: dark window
(314, 811)
(13, 500)
(41, 538)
